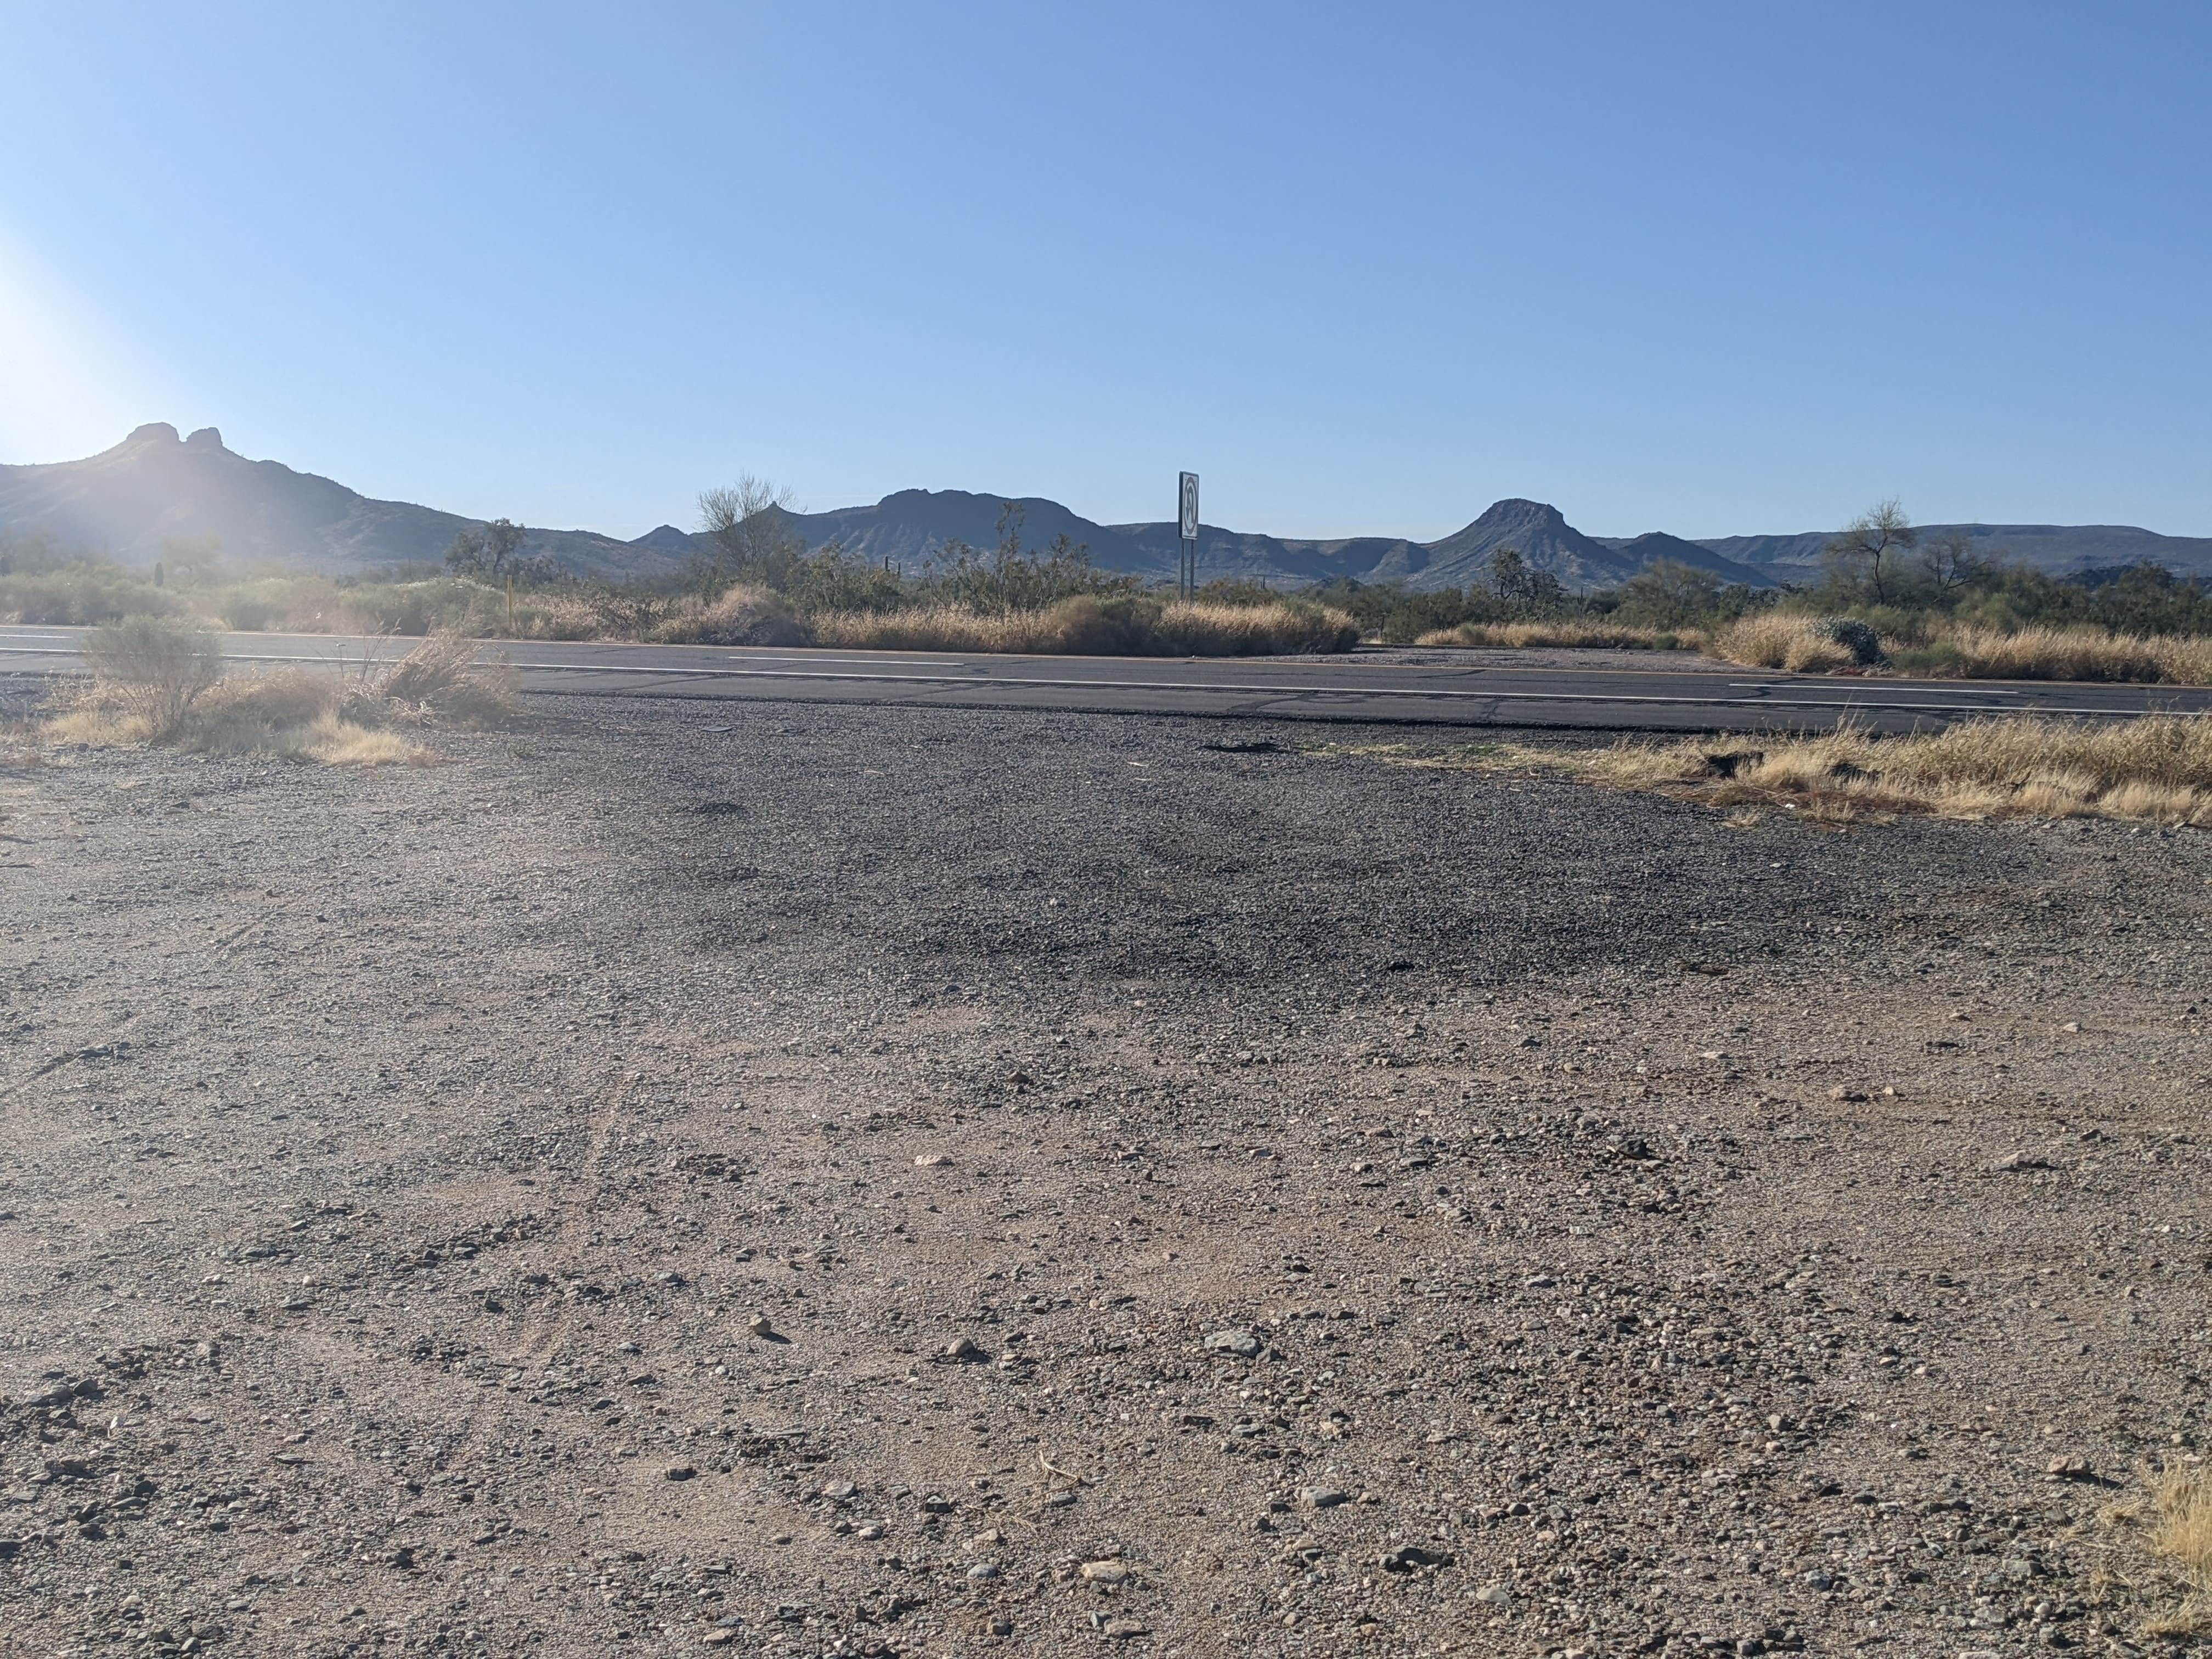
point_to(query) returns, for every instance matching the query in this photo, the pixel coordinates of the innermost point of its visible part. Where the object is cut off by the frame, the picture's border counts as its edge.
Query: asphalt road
(1426, 687)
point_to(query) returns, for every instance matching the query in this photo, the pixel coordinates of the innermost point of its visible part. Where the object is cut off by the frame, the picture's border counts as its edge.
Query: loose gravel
(807, 1181)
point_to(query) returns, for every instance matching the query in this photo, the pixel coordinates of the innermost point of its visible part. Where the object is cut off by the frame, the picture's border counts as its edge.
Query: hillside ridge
(157, 490)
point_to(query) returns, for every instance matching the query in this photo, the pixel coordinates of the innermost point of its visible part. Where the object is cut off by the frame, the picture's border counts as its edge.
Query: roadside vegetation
(2168, 1522)
(1888, 600)
(2155, 769)
(762, 585)
(159, 681)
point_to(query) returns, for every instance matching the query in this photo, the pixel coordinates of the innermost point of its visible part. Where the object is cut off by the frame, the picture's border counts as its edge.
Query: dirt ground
(796, 1181)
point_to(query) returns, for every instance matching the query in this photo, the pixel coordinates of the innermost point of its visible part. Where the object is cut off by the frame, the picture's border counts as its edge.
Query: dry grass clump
(1808, 645)
(2082, 654)
(740, 616)
(1086, 625)
(156, 681)
(1569, 634)
(151, 669)
(1794, 644)
(442, 676)
(2172, 1519)
(2155, 769)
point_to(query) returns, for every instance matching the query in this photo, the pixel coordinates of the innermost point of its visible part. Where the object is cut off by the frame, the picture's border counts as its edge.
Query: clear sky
(1702, 268)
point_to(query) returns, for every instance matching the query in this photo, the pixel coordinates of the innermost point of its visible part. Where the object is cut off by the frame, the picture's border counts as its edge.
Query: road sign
(1189, 507)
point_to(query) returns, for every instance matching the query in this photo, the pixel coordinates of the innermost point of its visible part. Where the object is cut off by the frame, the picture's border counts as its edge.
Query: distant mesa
(154, 488)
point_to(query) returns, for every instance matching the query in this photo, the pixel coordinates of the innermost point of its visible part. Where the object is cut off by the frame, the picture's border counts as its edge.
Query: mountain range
(156, 491)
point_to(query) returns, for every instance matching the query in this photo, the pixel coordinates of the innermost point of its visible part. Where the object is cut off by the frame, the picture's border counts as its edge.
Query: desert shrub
(834, 580)
(153, 667)
(442, 676)
(741, 616)
(81, 595)
(1858, 637)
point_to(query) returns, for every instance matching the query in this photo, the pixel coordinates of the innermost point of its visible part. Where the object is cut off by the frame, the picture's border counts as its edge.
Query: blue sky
(1708, 269)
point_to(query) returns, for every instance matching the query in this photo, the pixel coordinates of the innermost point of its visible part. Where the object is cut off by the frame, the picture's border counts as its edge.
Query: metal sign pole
(1186, 530)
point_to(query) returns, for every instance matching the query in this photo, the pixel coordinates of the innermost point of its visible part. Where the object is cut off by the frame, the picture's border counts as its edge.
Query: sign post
(1187, 524)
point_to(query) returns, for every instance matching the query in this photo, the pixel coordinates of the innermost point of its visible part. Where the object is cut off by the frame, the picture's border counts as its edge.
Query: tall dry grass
(2081, 653)
(2157, 769)
(1569, 633)
(1102, 627)
(1797, 644)
(162, 682)
(1793, 644)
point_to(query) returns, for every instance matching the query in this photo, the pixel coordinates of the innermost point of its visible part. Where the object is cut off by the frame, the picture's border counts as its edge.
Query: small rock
(1321, 1498)
(759, 1326)
(1497, 1594)
(679, 1471)
(1105, 1573)
(2070, 1468)
(1242, 1343)
(1121, 1630)
(930, 1161)
(964, 1352)
(1844, 1091)
(984, 1570)
(1407, 1557)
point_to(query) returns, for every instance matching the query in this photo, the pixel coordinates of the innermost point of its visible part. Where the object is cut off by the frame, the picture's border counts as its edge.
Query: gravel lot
(798, 1180)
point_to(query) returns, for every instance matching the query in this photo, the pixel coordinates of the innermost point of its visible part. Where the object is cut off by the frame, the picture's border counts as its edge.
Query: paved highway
(1425, 687)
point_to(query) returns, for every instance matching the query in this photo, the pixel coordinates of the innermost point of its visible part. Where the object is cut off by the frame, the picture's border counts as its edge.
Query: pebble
(1321, 1498)
(1242, 1343)
(1105, 1573)
(1407, 1557)
(759, 1326)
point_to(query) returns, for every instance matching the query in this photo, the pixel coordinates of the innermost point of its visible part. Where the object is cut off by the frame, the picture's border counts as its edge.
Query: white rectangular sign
(1189, 507)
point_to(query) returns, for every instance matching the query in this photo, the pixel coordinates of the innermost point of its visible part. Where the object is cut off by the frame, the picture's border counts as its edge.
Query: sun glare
(66, 388)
